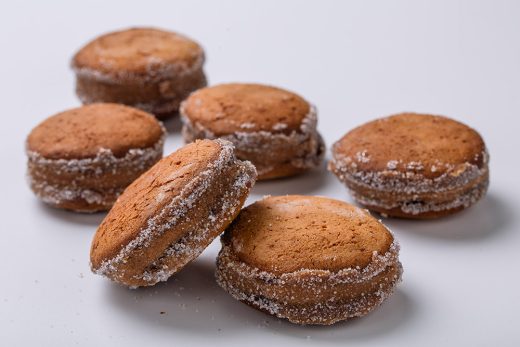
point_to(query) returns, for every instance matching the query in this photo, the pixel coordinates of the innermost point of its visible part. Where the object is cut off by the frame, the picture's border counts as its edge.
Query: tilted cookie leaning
(311, 260)
(170, 214)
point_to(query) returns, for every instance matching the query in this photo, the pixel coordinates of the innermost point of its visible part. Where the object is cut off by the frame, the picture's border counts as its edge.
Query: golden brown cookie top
(138, 51)
(289, 233)
(82, 132)
(147, 197)
(236, 107)
(410, 142)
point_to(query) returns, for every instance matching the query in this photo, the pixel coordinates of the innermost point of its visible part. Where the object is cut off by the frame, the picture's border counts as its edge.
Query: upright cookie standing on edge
(310, 260)
(83, 158)
(412, 165)
(170, 214)
(150, 69)
(273, 128)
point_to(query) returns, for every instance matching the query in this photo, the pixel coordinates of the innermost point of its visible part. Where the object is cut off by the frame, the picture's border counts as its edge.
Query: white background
(356, 61)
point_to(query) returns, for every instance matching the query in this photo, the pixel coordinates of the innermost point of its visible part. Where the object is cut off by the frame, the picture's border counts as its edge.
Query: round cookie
(273, 128)
(311, 260)
(150, 69)
(170, 214)
(82, 159)
(413, 165)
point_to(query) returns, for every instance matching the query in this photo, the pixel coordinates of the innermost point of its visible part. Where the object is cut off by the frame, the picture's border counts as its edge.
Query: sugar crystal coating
(136, 160)
(147, 68)
(83, 158)
(168, 213)
(415, 166)
(301, 288)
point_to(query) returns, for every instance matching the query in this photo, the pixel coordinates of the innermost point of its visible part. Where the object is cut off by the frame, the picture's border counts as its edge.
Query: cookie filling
(105, 162)
(415, 207)
(410, 182)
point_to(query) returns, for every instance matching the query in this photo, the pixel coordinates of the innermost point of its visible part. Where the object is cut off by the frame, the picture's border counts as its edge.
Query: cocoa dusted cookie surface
(273, 128)
(82, 159)
(413, 165)
(170, 214)
(311, 260)
(147, 68)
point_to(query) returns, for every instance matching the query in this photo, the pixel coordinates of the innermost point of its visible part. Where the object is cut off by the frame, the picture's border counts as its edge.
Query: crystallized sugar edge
(202, 234)
(56, 196)
(176, 208)
(411, 183)
(156, 70)
(349, 275)
(414, 208)
(322, 313)
(104, 162)
(326, 312)
(261, 141)
(105, 157)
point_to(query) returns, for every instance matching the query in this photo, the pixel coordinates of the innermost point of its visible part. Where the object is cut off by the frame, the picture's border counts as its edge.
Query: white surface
(356, 61)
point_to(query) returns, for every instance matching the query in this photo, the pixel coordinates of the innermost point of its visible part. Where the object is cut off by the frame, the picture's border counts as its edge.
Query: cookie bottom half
(76, 199)
(424, 208)
(307, 300)
(90, 184)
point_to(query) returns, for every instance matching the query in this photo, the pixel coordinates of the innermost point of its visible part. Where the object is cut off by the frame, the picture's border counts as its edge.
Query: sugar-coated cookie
(412, 165)
(311, 260)
(83, 158)
(273, 128)
(150, 69)
(170, 214)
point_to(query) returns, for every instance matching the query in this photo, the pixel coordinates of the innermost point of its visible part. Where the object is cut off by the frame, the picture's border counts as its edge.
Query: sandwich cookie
(150, 69)
(271, 127)
(170, 214)
(82, 159)
(413, 165)
(311, 260)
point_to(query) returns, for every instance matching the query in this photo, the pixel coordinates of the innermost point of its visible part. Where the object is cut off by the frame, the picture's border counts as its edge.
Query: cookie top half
(82, 132)
(410, 142)
(140, 52)
(240, 107)
(158, 190)
(284, 234)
